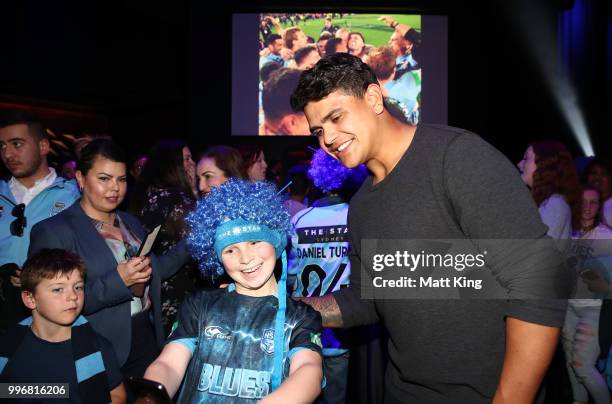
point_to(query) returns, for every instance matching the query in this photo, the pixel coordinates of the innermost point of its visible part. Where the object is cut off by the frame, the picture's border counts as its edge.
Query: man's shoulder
(7, 193)
(60, 195)
(443, 135)
(64, 186)
(451, 146)
(56, 222)
(428, 151)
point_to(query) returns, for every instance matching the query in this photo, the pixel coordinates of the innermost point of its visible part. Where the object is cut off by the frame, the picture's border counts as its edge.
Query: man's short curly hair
(254, 202)
(340, 71)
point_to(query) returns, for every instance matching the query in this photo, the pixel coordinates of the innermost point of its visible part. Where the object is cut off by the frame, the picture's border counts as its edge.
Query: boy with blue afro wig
(248, 342)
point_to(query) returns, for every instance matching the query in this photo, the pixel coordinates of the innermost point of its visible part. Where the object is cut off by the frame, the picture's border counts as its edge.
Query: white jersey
(319, 257)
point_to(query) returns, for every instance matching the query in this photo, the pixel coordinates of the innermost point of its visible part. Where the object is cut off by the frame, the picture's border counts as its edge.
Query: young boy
(238, 344)
(57, 344)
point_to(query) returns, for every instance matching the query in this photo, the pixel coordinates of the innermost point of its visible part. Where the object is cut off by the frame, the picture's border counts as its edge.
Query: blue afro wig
(329, 175)
(241, 202)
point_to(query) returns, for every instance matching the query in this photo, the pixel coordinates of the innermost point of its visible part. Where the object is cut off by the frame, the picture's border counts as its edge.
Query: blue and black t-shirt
(231, 338)
(40, 361)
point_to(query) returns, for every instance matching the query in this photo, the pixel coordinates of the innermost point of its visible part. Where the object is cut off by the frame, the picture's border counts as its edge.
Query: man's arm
(529, 350)
(491, 203)
(304, 382)
(277, 25)
(345, 307)
(327, 307)
(400, 28)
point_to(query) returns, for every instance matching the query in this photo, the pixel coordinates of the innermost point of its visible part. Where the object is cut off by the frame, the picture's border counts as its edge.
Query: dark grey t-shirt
(450, 184)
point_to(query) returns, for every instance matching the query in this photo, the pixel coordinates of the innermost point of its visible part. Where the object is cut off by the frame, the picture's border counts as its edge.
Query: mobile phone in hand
(149, 389)
(589, 274)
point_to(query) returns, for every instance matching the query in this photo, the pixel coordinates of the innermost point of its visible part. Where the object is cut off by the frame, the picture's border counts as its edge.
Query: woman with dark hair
(599, 176)
(587, 222)
(216, 165)
(166, 195)
(254, 164)
(122, 290)
(548, 170)
(581, 329)
(169, 165)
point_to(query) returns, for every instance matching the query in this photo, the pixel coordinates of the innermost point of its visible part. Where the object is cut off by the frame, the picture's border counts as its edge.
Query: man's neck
(49, 331)
(394, 139)
(30, 181)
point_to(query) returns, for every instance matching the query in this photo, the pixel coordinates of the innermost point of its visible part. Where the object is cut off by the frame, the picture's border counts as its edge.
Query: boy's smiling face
(251, 265)
(58, 301)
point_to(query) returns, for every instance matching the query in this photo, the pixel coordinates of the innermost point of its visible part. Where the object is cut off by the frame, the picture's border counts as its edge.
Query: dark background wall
(162, 69)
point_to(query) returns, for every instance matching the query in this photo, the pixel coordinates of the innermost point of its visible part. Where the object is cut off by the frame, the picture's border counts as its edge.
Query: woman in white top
(581, 330)
(548, 170)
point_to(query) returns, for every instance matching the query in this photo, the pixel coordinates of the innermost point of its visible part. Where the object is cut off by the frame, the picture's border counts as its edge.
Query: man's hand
(16, 279)
(401, 29)
(286, 53)
(387, 19)
(327, 307)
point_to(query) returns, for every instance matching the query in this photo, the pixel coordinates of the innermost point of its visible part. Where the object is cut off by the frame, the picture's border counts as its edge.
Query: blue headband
(238, 230)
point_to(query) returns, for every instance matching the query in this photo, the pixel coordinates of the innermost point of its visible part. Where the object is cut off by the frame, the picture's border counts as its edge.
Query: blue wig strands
(243, 211)
(329, 175)
(254, 202)
(279, 327)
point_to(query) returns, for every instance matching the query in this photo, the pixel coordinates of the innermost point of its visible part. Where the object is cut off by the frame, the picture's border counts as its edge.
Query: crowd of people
(285, 51)
(252, 288)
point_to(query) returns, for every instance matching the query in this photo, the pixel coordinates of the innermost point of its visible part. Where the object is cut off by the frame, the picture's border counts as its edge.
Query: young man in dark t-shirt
(434, 182)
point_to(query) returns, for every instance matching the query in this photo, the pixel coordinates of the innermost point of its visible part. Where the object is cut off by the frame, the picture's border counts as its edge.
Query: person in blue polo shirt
(33, 193)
